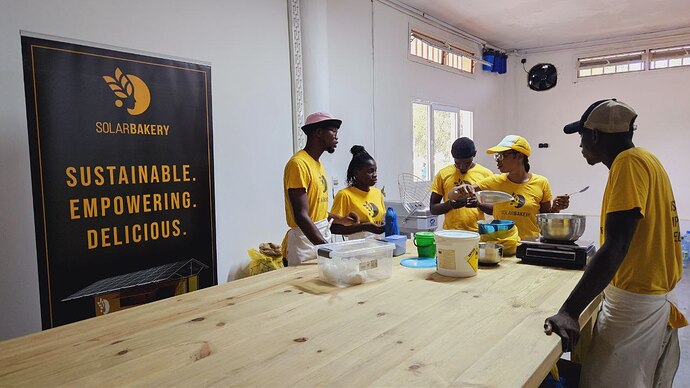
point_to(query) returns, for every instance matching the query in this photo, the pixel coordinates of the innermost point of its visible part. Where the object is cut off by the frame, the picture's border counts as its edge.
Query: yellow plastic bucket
(457, 253)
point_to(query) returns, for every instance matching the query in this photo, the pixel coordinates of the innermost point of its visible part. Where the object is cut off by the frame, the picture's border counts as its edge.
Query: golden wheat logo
(131, 91)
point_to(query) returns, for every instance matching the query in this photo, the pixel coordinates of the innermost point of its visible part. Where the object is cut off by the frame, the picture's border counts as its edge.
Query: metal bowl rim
(490, 245)
(560, 216)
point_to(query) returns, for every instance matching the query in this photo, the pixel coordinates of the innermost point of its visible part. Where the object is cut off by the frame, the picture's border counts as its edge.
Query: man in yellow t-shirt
(305, 186)
(635, 341)
(460, 214)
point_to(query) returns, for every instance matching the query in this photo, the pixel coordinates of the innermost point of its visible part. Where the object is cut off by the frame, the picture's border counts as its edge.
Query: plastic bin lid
(418, 262)
(353, 248)
(458, 234)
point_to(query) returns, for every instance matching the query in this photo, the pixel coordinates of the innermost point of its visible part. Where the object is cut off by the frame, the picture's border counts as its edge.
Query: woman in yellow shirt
(360, 197)
(531, 192)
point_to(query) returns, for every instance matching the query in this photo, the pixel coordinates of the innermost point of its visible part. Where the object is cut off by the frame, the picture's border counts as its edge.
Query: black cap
(463, 148)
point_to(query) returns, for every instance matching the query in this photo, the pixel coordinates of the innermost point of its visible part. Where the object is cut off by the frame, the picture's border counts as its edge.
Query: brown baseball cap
(610, 116)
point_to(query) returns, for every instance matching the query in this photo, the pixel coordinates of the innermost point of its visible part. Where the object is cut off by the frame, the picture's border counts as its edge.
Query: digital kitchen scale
(574, 255)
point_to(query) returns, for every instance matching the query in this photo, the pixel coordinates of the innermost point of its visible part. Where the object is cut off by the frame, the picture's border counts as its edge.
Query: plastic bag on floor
(267, 258)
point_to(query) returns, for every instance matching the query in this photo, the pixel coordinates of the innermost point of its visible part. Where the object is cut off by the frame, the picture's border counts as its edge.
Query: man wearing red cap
(305, 186)
(635, 339)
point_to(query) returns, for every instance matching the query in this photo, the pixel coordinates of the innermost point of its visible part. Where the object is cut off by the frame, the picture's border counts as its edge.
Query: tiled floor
(682, 379)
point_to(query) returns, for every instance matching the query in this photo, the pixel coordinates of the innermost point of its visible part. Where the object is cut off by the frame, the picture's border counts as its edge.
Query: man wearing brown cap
(459, 213)
(635, 341)
(305, 186)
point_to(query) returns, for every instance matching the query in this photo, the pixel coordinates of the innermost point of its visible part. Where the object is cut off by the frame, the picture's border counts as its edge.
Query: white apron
(633, 345)
(299, 248)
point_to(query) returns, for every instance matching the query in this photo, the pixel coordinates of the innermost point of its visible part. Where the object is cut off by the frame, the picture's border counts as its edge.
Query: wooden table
(287, 328)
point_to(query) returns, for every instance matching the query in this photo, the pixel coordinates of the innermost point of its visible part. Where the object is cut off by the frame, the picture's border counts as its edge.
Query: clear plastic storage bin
(355, 261)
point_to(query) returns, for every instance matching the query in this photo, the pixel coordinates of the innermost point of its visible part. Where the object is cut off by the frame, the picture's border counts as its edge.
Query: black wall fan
(542, 76)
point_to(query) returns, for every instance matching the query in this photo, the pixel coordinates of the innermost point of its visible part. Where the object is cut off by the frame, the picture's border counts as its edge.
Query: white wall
(338, 74)
(246, 43)
(399, 81)
(372, 84)
(659, 97)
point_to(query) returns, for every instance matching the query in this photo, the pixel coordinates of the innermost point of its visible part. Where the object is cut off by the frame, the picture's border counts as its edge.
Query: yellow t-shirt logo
(324, 183)
(372, 209)
(518, 201)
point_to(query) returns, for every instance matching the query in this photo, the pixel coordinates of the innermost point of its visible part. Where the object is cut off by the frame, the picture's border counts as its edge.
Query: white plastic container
(353, 262)
(457, 253)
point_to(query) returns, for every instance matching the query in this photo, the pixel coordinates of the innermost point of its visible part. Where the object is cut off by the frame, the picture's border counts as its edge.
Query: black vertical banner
(122, 167)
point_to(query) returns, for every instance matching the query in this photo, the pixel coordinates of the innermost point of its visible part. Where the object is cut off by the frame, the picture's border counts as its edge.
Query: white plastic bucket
(457, 253)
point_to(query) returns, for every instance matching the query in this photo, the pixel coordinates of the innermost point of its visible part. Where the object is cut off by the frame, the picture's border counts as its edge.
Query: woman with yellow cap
(531, 192)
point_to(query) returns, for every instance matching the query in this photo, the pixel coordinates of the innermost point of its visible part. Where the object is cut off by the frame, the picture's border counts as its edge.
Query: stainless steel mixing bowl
(561, 226)
(490, 253)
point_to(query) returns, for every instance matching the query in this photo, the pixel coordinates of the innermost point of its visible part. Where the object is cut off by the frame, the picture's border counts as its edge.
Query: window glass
(445, 133)
(420, 139)
(657, 58)
(610, 64)
(661, 58)
(438, 51)
(434, 128)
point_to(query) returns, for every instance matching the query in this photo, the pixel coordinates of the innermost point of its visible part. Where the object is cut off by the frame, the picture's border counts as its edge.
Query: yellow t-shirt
(449, 177)
(527, 199)
(302, 171)
(653, 264)
(368, 205)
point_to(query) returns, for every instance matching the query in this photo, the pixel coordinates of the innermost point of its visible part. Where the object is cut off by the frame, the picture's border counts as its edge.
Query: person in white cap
(635, 341)
(305, 185)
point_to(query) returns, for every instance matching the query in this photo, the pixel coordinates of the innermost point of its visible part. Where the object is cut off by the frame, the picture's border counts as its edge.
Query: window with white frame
(440, 52)
(434, 129)
(634, 61)
(611, 64)
(669, 57)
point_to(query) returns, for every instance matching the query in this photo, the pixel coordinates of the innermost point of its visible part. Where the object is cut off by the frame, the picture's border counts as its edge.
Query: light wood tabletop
(287, 328)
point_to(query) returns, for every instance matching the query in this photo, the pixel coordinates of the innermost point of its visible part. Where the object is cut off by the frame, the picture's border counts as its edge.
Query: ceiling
(530, 24)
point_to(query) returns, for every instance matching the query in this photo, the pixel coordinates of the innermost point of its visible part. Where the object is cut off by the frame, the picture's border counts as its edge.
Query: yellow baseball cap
(511, 142)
